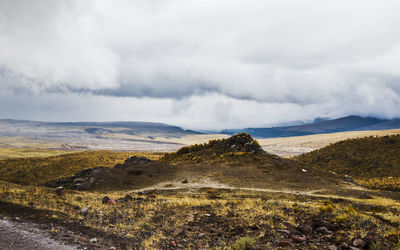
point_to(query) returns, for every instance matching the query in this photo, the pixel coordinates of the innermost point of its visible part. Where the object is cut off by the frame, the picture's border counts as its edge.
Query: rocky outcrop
(132, 161)
(238, 143)
(83, 180)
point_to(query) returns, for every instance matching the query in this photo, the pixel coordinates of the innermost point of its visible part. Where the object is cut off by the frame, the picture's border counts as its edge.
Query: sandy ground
(18, 235)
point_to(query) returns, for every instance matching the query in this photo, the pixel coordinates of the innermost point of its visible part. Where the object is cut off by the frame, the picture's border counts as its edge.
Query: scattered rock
(372, 237)
(305, 229)
(304, 170)
(120, 200)
(59, 190)
(298, 239)
(128, 198)
(84, 211)
(349, 178)
(323, 230)
(201, 235)
(368, 224)
(284, 243)
(111, 202)
(332, 247)
(112, 248)
(92, 180)
(287, 232)
(93, 240)
(359, 243)
(105, 200)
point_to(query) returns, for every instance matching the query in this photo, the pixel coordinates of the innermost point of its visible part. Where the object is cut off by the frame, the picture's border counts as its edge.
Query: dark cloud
(213, 64)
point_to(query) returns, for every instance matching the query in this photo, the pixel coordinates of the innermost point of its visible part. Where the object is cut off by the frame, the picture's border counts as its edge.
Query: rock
(298, 239)
(201, 235)
(82, 186)
(132, 161)
(93, 240)
(305, 229)
(112, 248)
(372, 237)
(323, 230)
(185, 181)
(128, 198)
(349, 178)
(59, 190)
(304, 170)
(332, 247)
(84, 211)
(92, 180)
(287, 232)
(284, 243)
(120, 200)
(105, 200)
(359, 243)
(368, 224)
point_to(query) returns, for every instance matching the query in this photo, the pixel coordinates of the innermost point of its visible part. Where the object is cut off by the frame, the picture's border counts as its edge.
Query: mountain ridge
(343, 124)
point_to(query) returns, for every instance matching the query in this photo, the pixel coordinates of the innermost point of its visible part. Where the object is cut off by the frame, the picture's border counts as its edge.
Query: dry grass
(38, 170)
(292, 146)
(8, 153)
(240, 216)
(373, 161)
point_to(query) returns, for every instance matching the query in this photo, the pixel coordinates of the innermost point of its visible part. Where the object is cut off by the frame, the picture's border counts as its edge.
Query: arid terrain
(225, 194)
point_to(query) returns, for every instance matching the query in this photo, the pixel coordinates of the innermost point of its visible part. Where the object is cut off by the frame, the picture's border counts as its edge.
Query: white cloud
(209, 63)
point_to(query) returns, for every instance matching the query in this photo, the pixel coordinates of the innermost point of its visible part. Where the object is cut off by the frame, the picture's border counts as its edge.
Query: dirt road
(21, 235)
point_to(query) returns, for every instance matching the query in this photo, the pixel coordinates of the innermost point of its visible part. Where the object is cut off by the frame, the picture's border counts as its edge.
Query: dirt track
(18, 235)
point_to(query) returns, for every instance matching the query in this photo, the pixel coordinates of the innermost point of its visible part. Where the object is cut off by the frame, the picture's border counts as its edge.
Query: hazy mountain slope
(131, 128)
(348, 123)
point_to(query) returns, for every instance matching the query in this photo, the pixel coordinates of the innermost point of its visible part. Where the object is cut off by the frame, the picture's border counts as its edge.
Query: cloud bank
(199, 64)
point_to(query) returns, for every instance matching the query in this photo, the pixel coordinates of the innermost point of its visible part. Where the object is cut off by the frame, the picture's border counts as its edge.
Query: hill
(321, 126)
(38, 170)
(373, 161)
(238, 161)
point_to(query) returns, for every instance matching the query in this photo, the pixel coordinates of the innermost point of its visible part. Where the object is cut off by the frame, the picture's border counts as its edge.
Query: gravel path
(18, 235)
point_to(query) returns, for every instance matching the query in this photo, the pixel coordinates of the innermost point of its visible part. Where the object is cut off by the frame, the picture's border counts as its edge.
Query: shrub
(244, 243)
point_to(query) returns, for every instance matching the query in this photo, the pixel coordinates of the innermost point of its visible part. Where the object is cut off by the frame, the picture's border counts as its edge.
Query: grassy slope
(38, 170)
(374, 161)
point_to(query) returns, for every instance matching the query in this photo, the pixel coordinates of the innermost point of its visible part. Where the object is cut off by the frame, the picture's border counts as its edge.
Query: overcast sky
(200, 64)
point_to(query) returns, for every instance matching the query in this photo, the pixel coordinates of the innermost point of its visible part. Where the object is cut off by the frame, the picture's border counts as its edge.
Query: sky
(199, 64)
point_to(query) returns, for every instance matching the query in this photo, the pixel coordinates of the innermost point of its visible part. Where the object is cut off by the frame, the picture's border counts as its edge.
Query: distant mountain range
(10, 127)
(321, 126)
(152, 130)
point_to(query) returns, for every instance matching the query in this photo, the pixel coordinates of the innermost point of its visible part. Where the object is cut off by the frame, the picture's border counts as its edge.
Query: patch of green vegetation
(372, 161)
(244, 243)
(38, 170)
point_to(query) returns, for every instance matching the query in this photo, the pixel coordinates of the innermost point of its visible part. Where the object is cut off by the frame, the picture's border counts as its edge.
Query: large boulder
(132, 161)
